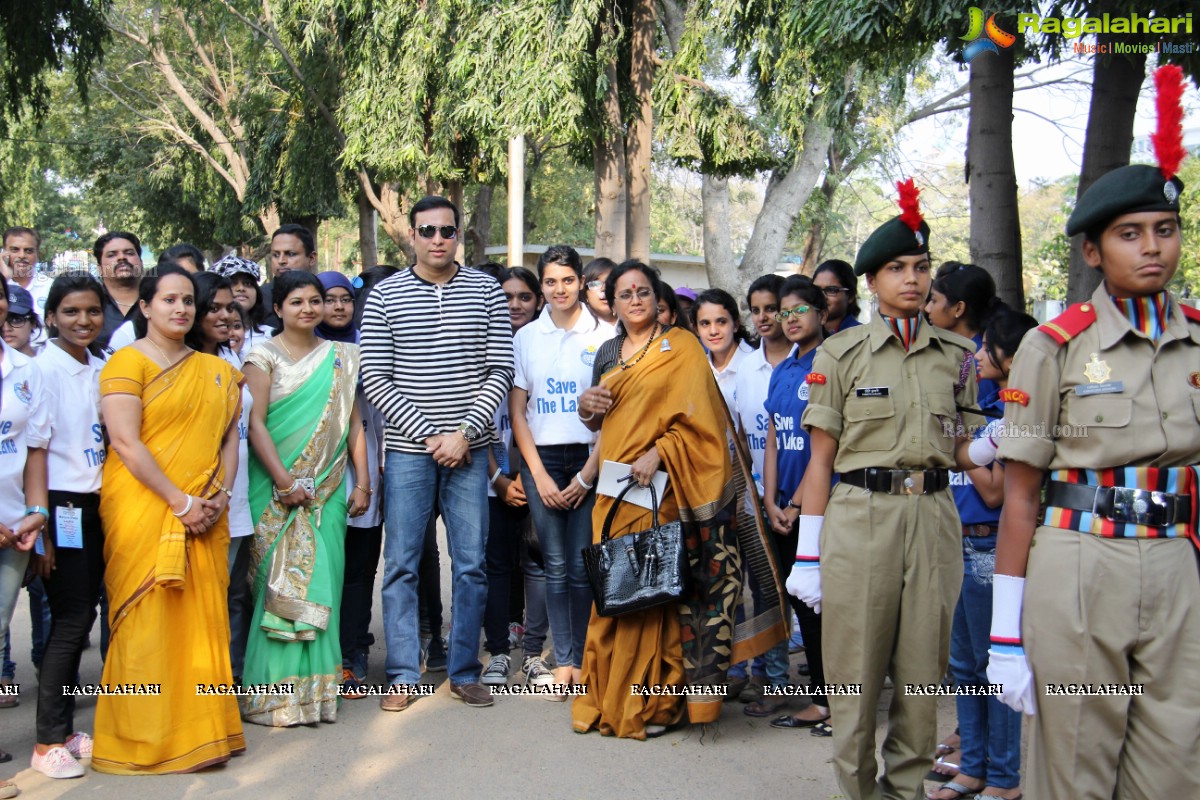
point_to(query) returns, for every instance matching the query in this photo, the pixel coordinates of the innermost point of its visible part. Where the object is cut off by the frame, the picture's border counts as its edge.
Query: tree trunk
(718, 252)
(393, 219)
(368, 231)
(992, 176)
(611, 190)
(786, 195)
(814, 240)
(1116, 81)
(477, 234)
(269, 219)
(638, 142)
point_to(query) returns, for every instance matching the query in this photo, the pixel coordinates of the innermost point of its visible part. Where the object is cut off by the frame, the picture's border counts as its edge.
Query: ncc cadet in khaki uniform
(1103, 412)
(883, 555)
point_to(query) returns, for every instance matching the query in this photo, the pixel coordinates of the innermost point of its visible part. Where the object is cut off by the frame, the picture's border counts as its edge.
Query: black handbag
(638, 570)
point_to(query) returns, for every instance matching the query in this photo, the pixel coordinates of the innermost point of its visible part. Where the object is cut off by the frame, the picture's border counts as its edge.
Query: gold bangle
(366, 489)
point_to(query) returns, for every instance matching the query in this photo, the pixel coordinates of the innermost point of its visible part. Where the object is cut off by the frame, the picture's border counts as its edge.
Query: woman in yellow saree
(303, 423)
(171, 415)
(658, 407)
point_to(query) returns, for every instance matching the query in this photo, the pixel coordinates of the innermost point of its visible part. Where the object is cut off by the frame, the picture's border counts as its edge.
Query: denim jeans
(990, 731)
(411, 482)
(241, 601)
(537, 625)
(563, 536)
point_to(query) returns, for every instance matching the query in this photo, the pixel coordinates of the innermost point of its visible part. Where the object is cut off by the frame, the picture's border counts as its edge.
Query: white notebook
(611, 485)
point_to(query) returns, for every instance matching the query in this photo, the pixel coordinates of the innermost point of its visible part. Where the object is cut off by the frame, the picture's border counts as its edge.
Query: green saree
(298, 555)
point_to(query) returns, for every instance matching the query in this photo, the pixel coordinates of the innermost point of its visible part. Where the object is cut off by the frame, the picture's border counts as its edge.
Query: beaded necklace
(641, 353)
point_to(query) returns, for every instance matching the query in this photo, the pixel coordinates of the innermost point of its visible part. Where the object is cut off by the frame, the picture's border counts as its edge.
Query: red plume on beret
(910, 209)
(1168, 138)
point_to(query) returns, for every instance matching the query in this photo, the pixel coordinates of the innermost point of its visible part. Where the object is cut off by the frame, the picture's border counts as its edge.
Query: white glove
(983, 450)
(1007, 664)
(804, 583)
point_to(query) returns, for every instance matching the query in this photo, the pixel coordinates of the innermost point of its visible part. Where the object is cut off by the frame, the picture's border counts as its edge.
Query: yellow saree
(670, 400)
(167, 591)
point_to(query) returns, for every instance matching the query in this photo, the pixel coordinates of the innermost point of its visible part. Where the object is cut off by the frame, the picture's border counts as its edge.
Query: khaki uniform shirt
(1108, 397)
(887, 407)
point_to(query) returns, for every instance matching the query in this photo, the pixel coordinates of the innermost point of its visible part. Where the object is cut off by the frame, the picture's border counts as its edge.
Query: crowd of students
(225, 489)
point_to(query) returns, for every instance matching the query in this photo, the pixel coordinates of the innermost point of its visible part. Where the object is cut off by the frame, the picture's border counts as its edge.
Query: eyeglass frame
(628, 295)
(795, 311)
(834, 291)
(447, 231)
(22, 320)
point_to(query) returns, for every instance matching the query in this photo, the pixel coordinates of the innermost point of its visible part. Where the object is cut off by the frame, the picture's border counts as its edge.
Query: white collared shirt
(554, 366)
(751, 381)
(727, 376)
(75, 457)
(240, 521)
(24, 424)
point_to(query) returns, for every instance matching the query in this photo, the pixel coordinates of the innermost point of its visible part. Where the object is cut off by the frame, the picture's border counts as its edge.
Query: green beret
(891, 239)
(1126, 190)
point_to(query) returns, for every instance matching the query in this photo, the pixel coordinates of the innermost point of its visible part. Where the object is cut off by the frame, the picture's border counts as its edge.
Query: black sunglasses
(447, 231)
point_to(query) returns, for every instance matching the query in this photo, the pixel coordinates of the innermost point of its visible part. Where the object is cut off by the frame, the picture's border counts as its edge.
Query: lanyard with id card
(68, 527)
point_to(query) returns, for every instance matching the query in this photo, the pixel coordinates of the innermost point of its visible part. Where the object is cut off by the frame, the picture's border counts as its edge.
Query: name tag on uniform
(1108, 387)
(68, 527)
(873, 391)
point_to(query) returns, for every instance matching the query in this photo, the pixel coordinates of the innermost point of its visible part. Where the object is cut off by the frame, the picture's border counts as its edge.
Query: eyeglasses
(17, 321)
(594, 286)
(833, 291)
(339, 301)
(447, 231)
(797, 312)
(642, 294)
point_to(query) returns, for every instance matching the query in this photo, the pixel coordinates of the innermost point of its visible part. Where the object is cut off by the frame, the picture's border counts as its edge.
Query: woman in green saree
(302, 427)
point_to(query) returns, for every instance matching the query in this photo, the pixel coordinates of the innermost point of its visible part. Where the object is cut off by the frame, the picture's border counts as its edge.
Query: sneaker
(496, 673)
(57, 763)
(79, 744)
(536, 671)
(516, 635)
(435, 660)
(352, 686)
(473, 694)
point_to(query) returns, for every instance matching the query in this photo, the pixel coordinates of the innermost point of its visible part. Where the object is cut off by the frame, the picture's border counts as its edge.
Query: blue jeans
(411, 483)
(990, 731)
(12, 573)
(563, 535)
(39, 620)
(536, 623)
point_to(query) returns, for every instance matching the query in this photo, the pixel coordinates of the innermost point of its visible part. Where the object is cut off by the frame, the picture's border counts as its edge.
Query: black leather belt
(1119, 504)
(898, 481)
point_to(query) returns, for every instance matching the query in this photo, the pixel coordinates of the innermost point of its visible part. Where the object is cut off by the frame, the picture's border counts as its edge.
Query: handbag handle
(612, 512)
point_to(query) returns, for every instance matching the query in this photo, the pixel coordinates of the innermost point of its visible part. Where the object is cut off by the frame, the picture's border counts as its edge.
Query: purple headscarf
(336, 280)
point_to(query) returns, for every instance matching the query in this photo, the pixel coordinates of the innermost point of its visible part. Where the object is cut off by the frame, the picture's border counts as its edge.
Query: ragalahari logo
(991, 33)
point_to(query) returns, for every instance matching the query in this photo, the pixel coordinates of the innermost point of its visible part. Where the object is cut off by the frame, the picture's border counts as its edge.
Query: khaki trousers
(1104, 612)
(891, 571)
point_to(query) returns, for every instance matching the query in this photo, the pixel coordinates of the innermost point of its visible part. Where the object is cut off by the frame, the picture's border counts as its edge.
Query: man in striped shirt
(437, 360)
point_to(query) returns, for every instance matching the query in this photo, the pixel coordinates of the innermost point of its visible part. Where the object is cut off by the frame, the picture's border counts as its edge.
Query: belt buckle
(908, 481)
(1139, 506)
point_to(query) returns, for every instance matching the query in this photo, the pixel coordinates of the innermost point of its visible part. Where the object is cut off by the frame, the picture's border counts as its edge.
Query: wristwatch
(469, 431)
(793, 505)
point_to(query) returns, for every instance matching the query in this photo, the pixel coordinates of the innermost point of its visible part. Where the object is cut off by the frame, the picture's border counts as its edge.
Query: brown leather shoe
(473, 694)
(396, 699)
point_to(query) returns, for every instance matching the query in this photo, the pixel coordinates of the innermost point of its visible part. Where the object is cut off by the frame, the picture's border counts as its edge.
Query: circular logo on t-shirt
(802, 392)
(588, 356)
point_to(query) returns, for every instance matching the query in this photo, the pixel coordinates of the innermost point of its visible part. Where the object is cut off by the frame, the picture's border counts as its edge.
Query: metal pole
(516, 201)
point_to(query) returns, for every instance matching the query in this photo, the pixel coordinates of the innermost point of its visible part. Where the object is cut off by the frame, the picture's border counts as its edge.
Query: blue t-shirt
(787, 397)
(971, 507)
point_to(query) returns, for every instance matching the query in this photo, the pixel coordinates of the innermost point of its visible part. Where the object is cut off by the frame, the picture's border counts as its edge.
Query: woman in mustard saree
(303, 423)
(658, 407)
(171, 414)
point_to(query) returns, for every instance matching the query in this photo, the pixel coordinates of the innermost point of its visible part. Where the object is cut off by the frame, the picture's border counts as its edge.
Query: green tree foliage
(39, 37)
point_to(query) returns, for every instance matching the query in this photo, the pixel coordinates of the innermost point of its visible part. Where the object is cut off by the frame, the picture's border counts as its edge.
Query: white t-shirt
(751, 381)
(240, 521)
(554, 366)
(24, 424)
(254, 337)
(123, 336)
(727, 376)
(39, 290)
(373, 428)
(75, 458)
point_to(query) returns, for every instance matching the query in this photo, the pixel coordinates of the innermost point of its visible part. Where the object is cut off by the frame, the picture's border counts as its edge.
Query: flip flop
(934, 775)
(956, 787)
(822, 729)
(788, 721)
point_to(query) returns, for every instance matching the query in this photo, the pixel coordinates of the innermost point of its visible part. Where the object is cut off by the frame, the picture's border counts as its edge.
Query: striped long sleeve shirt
(436, 355)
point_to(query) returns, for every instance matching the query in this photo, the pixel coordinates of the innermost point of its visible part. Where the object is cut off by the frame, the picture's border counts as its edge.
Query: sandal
(948, 770)
(822, 728)
(959, 790)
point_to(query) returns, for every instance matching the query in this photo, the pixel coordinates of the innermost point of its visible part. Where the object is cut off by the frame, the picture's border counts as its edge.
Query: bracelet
(495, 476)
(278, 493)
(186, 508)
(588, 418)
(38, 510)
(579, 477)
(365, 489)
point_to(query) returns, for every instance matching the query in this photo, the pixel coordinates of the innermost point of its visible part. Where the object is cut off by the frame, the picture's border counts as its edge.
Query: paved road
(520, 747)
